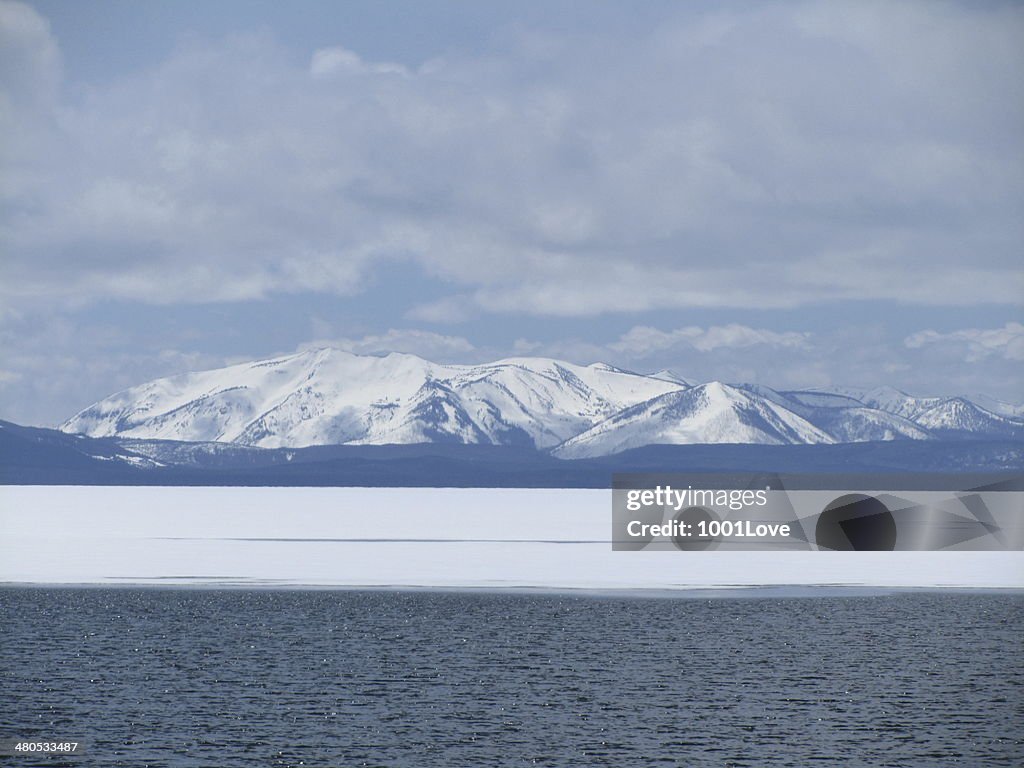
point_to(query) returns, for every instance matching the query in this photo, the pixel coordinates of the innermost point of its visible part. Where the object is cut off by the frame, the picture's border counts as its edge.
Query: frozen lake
(415, 537)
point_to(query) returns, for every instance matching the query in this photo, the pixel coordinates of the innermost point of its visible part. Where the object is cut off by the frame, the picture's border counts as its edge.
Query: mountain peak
(666, 374)
(719, 391)
(326, 395)
(331, 396)
(714, 412)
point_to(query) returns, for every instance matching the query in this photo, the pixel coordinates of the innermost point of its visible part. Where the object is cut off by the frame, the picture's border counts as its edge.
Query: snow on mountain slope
(709, 413)
(862, 424)
(998, 407)
(296, 396)
(845, 419)
(888, 399)
(815, 399)
(330, 397)
(940, 414)
(958, 415)
(982, 416)
(327, 396)
(551, 400)
(675, 378)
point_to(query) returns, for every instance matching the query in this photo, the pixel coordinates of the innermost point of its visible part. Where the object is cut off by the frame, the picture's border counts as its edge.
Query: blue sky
(798, 194)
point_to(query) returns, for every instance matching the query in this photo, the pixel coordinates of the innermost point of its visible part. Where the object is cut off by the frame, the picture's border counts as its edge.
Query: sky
(798, 194)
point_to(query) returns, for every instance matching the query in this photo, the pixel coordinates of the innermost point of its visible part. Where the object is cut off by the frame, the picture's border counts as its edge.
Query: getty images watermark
(865, 512)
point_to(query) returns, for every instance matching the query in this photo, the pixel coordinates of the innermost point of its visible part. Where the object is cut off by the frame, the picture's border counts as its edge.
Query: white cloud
(57, 366)
(30, 63)
(643, 340)
(525, 347)
(762, 156)
(424, 343)
(768, 156)
(975, 343)
(338, 60)
(451, 309)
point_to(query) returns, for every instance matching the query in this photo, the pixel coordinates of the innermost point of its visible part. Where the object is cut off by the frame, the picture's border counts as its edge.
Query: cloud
(57, 366)
(427, 344)
(54, 367)
(975, 343)
(30, 64)
(867, 355)
(760, 157)
(643, 340)
(451, 309)
(757, 157)
(337, 60)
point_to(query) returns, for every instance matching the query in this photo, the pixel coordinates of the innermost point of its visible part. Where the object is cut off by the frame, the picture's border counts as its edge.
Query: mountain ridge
(40, 456)
(326, 396)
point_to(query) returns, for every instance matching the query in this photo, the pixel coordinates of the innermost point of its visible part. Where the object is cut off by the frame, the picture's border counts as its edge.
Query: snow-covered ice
(497, 538)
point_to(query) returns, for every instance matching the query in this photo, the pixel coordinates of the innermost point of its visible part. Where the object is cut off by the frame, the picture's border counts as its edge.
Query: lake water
(201, 677)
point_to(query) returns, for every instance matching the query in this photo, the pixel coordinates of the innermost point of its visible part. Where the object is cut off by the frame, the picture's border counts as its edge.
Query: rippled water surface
(244, 678)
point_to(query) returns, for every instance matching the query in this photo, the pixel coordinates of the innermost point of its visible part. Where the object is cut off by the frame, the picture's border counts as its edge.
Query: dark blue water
(284, 678)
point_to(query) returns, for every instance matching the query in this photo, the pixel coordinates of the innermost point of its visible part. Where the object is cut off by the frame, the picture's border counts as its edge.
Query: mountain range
(331, 397)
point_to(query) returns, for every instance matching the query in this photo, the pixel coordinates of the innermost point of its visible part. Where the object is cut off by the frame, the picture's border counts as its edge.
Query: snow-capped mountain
(331, 397)
(709, 413)
(667, 375)
(959, 415)
(936, 416)
(998, 407)
(846, 419)
(888, 399)
(327, 396)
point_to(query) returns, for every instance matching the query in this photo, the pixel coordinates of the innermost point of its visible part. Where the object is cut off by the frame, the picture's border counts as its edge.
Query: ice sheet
(405, 537)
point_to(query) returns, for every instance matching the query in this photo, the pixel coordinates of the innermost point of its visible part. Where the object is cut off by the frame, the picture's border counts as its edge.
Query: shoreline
(740, 591)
